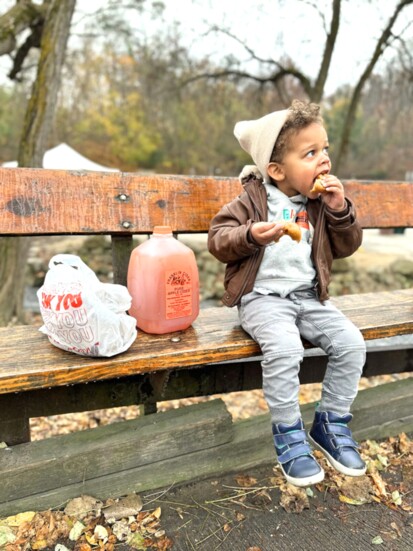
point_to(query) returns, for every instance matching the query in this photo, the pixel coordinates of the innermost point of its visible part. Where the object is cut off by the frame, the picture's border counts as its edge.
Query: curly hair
(300, 116)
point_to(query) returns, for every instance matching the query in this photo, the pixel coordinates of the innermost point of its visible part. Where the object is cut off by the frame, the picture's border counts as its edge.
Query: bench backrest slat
(125, 203)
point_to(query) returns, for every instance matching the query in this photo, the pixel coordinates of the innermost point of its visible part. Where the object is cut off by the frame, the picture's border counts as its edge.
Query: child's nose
(324, 158)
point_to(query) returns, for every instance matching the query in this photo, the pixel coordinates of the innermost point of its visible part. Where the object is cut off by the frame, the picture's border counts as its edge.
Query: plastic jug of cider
(163, 281)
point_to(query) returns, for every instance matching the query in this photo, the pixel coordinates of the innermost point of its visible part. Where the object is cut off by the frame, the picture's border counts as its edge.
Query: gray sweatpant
(276, 324)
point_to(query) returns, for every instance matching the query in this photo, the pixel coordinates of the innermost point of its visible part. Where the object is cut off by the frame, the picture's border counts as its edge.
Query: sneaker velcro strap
(293, 437)
(333, 428)
(344, 441)
(294, 452)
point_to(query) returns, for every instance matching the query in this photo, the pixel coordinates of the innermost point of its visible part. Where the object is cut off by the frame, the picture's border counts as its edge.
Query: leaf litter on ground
(38, 530)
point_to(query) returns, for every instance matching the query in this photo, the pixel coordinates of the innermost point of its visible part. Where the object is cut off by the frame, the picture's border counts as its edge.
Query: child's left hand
(334, 198)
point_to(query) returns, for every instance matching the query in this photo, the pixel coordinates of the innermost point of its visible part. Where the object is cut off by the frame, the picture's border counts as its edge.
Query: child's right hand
(265, 233)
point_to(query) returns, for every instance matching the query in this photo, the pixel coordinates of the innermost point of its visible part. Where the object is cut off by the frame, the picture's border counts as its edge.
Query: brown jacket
(336, 235)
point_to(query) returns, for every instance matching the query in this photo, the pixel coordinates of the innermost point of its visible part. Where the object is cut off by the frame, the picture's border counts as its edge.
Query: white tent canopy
(64, 157)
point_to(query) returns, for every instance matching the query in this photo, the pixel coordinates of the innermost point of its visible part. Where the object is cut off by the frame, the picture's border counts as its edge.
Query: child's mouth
(320, 176)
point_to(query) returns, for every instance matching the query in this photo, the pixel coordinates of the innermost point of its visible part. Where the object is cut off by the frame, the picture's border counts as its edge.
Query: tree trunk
(41, 107)
(318, 90)
(33, 144)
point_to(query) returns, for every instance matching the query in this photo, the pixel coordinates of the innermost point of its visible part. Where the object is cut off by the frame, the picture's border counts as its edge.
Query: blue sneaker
(294, 454)
(333, 438)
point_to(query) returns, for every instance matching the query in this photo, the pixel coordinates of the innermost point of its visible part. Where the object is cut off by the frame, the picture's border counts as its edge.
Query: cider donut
(293, 230)
(318, 186)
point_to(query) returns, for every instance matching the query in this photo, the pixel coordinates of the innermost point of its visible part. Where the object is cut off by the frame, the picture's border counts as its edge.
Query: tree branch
(23, 15)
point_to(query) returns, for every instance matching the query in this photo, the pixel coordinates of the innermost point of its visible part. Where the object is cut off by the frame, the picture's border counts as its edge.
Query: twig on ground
(158, 494)
(241, 493)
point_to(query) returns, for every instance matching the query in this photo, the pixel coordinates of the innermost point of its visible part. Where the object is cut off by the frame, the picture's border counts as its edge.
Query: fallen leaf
(383, 460)
(121, 530)
(157, 512)
(396, 498)
(226, 527)
(254, 549)
(379, 483)
(90, 538)
(101, 533)
(396, 529)
(76, 531)
(245, 481)
(137, 541)
(378, 540)
(373, 448)
(6, 536)
(351, 501)
(39, 544)
(404, 443)
(17, 520)
(293, 499)
(79, 507)
(126, 507)
(356, 490)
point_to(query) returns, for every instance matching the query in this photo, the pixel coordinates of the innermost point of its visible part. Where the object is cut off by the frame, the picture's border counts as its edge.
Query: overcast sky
(273, 28)
(295, 29)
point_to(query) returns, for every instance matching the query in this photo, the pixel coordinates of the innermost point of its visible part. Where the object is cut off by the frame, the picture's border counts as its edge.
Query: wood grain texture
(70, 459)
(29, 361)
(250, 445)
(39, 201)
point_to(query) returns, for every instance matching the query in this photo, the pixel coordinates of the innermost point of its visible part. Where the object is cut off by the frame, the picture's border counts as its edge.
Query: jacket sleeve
(228, 233)
(344, 230)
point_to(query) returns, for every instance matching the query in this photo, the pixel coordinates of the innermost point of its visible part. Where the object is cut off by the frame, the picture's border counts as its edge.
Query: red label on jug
(178, 294)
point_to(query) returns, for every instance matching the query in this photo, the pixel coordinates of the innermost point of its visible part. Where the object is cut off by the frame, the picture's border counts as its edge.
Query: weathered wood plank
(121, 250)
(71, 459)
(251, 445)
(107, 202)
(208, 380)
(215, 337)
(382, 204)
(112, 203)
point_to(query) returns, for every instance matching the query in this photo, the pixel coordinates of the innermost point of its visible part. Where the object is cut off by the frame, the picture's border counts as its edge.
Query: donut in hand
(318, 185)
(293, 230)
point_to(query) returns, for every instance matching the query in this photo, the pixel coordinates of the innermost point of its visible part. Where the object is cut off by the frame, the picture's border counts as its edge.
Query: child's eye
(310, 153)
(325, 150)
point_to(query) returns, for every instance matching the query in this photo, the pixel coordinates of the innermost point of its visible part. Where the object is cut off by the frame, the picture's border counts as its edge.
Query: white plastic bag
(81, 314)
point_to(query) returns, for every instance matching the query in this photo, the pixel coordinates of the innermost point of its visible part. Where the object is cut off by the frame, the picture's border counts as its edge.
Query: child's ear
(276, 172)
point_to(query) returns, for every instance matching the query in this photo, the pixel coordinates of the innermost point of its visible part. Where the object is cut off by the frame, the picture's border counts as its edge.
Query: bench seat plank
(30, 362)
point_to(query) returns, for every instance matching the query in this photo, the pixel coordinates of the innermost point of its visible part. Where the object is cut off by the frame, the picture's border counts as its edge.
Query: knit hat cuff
(258, 137)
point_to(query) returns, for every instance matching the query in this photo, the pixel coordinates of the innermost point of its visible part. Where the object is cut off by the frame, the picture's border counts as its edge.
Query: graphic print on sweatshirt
(286, 265)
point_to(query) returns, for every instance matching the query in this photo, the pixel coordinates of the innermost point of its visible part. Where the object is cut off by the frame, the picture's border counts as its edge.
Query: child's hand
(334, 198)
(264, 233)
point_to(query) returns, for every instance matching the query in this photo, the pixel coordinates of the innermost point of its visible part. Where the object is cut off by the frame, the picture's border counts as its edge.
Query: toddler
(280, 286)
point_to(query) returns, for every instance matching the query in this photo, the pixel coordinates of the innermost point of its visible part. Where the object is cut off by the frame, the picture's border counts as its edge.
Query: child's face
(306, 158)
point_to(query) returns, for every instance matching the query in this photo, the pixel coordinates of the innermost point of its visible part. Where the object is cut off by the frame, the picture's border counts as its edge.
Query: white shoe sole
(334, 463)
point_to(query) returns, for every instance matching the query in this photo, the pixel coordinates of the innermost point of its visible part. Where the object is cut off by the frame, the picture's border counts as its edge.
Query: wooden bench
(213, 356)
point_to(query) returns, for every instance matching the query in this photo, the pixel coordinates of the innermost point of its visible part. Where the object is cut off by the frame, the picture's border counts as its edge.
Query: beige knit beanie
(258, 137)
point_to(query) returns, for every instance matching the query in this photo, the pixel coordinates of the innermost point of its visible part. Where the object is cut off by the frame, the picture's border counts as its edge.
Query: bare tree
(276, 71)
(383, 42)
(52, 21)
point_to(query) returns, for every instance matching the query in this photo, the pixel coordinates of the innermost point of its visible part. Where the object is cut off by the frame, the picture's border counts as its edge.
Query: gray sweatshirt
(287, 265)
